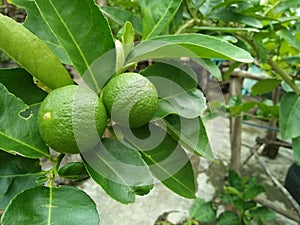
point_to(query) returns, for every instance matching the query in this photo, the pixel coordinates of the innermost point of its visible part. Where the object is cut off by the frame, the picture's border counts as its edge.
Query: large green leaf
(19, 134)
(32, 54)
(80, 29)
(289, 117)
(166, 159)
(119, 170)
(16, 174)
(176, 84)
(156, 19)
(121, 16)
(187, 45)
(191, 134)
(51, 206)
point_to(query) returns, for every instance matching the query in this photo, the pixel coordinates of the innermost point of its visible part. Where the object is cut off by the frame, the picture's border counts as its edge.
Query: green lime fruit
(131, 99)
(71, 119)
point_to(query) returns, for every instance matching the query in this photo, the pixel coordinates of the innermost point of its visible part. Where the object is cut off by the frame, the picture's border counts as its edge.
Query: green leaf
(128, 38)
(211, 67)
(202, 211)
(20, 83)
(296, 149)
(19, 134)
(121, 16)
(264, 86)
(187, 45)
(167, 161)
(16, 174)
(289, 37)
(177, 88)
(86, 40)
(47, 206)
(228, 217)
(235, 180)
(253, 191)
(251, 204)
(236, 17)
(32, 54)
(263, 214)
(284, 5)
(74, 171)
(119, 170)
(191, 134)
(156, 19)
(289, 116)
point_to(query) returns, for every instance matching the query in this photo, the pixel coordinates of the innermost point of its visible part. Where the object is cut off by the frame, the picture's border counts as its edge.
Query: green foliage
(17, 174)
(19, 134)
(53, 34)
(43, 205)
(238, 193)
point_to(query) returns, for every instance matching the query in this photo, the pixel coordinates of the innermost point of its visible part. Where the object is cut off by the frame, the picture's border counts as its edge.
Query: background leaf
(237, 17)
(84, 40)
(156, 19)
(289, 116)
(167, 161)
(121, 16)
(264, 86)
(47, 206)
(119, 170)
(296, 149)
(16, 174)
(74, 171)
(17, 133)
(177, 89)
(228, 217)
(32, 54)
(289, 37)
(202, 211)
(20, 83)
(263, 214)
(187, 45)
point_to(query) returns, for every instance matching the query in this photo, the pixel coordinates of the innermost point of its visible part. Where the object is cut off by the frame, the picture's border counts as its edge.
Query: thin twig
(276, 182)
(285, 76)
(288, 214)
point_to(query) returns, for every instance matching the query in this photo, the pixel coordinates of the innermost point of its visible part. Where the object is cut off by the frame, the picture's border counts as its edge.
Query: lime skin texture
(72, 119)
(130, 99)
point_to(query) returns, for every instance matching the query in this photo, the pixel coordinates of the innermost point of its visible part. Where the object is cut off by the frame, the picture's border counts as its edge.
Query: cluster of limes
(72, 119)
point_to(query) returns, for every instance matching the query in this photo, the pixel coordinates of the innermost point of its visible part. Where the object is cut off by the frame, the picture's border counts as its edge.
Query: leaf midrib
(163, 169)
(161, 19)
(24, 144)
(20, 175)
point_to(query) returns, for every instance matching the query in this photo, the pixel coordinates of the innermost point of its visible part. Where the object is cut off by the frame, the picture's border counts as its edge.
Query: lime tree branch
(285, 76)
